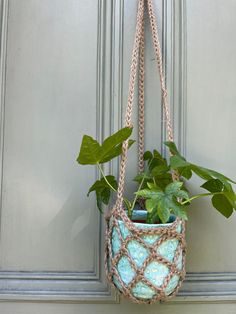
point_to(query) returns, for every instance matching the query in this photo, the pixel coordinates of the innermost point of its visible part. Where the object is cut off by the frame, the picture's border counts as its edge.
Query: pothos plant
(156, 192)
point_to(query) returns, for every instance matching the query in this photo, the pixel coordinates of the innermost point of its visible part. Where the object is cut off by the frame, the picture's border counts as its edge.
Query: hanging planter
(145, 237)
(145, 261)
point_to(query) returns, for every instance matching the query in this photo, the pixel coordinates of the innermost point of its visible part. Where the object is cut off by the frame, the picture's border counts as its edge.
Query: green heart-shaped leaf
(178, 162)
(213, 185)
(159, 170)
(103, 190)
(165, 202)
(185, 172)
(173, 187)
(112, 146)
(91, 152)
(172, 147)
(163, 211)
(150, 204)
(221, 203)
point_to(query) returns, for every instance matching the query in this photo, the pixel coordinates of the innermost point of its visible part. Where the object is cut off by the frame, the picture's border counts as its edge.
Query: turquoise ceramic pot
(155, 272)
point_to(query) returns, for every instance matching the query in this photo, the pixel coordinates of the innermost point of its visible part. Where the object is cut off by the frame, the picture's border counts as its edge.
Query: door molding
(65, 286)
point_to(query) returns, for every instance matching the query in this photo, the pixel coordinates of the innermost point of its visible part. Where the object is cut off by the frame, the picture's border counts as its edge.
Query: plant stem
(135, 199)
(127, 203)
(104, 177)
(198, 196)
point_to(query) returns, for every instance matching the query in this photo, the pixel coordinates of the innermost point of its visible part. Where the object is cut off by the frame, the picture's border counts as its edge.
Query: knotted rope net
(132, 275)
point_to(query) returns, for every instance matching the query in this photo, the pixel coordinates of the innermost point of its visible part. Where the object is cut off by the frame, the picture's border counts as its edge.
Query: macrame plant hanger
(118, 213)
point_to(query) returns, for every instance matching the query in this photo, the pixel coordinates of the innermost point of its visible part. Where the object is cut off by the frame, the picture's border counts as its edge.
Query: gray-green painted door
(64, 72)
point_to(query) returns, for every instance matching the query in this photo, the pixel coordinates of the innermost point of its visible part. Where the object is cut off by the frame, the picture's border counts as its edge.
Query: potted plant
(156, 193)
(145, 236)
(158, 202)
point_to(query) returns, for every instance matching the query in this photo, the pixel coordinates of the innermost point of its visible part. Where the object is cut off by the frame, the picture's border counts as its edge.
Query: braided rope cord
(128, 123)
(118, 214)
(138, 53)
(157, 48)
(141, 95)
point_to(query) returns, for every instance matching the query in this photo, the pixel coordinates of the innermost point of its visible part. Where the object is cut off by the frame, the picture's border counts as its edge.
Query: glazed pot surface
(155, 272)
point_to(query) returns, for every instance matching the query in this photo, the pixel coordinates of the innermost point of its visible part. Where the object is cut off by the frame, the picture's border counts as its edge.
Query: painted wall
(64, 72)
